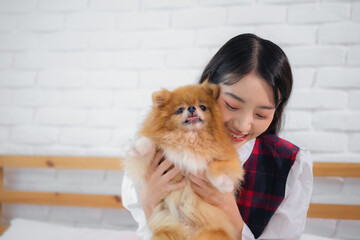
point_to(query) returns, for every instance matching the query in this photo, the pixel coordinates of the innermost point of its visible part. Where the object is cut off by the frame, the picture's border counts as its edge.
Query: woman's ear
(160, 98)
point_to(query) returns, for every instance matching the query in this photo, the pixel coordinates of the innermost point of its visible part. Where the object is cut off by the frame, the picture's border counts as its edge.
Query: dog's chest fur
(191, 152)
(183, 205)
(187, 161)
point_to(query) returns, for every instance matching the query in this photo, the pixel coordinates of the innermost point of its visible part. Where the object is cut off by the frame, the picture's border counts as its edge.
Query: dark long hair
(246, 53)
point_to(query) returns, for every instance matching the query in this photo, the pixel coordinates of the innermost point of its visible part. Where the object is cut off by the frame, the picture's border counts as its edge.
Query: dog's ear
(207, 80)
(160, 98)
(211, 88)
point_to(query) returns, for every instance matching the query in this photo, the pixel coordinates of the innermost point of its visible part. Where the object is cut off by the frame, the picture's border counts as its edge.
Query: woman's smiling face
(248, 108)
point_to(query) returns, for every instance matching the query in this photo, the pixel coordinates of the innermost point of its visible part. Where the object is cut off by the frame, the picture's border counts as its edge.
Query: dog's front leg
(225, 175)
(139, 154)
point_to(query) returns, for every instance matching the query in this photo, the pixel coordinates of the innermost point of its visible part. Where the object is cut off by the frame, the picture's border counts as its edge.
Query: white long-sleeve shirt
(288, 221)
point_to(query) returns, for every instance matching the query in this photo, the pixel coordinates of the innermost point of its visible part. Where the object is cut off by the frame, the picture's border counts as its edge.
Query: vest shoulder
(279, 144)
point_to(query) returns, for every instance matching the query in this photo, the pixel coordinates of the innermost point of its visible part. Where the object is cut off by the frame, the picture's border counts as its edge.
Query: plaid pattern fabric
(263, 188)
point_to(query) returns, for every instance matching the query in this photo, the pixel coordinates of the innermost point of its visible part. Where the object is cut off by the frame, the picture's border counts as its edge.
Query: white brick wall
(35, 22)
(55, 6)
(318, 13)
(257, 14)
(76, 78)
(330, 78)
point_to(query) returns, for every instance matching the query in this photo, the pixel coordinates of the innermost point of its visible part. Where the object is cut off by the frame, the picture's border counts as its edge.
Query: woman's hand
(225, 201)
(157, 184)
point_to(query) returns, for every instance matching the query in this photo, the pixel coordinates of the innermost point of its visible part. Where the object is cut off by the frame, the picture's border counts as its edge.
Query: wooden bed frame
(316, 210)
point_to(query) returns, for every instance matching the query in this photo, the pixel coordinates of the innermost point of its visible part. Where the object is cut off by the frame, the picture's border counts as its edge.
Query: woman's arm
(224, 201)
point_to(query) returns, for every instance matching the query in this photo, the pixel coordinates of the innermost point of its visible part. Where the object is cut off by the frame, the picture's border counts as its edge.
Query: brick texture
(76, 78)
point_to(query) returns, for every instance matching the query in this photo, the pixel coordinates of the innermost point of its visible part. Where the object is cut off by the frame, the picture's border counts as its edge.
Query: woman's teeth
(237, 136)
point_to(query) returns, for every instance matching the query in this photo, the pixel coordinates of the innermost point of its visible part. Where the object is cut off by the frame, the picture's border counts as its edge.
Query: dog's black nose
(191, 109)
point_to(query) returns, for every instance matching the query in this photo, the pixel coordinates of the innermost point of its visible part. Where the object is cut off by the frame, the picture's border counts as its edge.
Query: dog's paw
(140, 147)
(223, 183)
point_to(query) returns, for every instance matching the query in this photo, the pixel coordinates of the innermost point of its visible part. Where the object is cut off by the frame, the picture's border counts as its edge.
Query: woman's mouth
(236, 137)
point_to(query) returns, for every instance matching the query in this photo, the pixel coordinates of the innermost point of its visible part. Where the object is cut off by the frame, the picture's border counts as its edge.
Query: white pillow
(314, 237)
(21, 229)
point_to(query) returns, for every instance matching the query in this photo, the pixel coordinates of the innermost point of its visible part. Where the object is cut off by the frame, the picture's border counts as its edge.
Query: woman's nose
(243, 124)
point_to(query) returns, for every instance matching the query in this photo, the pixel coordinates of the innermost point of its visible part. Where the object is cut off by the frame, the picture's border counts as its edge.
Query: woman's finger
(178, 185)
(164, 165)
(208, 194)
(171, 173)
(201, 175)
(198, 189)
(157, 158)
(198, 181)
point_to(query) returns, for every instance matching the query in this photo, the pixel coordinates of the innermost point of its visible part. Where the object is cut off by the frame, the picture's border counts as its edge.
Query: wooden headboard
(316, 210)
(335, 211)
(56, 198)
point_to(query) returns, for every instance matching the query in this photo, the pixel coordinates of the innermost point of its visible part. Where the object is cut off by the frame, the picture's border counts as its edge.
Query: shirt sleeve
(131, 201)
(288, 221)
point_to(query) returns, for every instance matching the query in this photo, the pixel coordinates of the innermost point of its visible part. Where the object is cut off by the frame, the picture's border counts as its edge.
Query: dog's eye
(180, 110)
(203, 107)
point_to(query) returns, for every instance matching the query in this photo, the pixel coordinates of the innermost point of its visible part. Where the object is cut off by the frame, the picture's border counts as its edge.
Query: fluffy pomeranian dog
(187, 125)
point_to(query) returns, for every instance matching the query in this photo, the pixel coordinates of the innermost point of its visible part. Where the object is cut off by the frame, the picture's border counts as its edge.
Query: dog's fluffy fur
(187, 124)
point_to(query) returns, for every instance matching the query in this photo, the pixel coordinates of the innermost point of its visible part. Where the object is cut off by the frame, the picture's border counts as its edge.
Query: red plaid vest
(263, 188)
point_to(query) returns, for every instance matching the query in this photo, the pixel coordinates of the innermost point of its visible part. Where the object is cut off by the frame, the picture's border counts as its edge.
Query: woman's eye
(261, 116)
(180, 110)
(203, 108)
(229, 106)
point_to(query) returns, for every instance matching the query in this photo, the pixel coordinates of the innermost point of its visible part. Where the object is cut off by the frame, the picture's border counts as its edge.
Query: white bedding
(21, 229)
(313, 237)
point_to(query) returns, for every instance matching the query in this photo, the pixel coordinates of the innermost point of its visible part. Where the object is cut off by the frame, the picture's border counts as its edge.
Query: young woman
(256, 81)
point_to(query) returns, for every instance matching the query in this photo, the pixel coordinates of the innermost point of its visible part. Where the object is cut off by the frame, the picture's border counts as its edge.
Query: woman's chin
(239, 144)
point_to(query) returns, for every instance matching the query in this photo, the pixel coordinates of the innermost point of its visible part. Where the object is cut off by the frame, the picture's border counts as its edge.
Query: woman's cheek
(226, 117)
(225, 114)
(263, 125)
